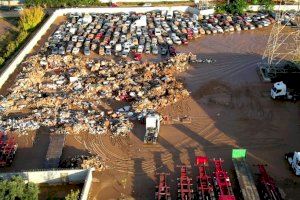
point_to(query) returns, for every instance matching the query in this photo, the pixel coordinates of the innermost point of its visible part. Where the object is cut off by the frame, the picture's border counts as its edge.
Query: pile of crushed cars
(70, 92)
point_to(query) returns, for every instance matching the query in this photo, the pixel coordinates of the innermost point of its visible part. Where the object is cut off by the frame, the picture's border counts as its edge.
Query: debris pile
(70, 92)
(83, 162)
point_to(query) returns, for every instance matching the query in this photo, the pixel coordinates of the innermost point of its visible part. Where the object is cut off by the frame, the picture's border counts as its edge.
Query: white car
(195, 31)
(169, 41)
(154, 40)
(140, 49)
(177, 40)
(126, 50)
(248, 19)
(118, 48)
(219, 29)
(74, 38)
(75, 50)
(157, 32)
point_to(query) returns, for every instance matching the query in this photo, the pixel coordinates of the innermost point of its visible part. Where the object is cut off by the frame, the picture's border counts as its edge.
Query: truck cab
(293, 159)
(152, 128)
(278, 90)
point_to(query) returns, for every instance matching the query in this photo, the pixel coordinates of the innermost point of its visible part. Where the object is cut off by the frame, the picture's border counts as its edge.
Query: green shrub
(2, 60)
(236, 7)
(31, 17)
(268, 4)
(16, 188)
(220, 8)
(62, 3)
(74, 195)
(10, 48)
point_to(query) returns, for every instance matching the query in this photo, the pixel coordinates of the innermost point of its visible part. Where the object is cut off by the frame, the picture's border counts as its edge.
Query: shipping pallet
(185, 191)
(204, 182)
(222, 182)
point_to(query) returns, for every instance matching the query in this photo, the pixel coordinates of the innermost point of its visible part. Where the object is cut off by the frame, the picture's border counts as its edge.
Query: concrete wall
(51, 176)
(202, 12)
(87, 185)
(276, 7)
(57, 177)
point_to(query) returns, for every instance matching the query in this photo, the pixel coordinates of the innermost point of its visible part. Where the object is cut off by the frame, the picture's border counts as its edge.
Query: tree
(10, 48)
(30, 17)
(2, 60)
(268, 4)
(22, 36)
(73, 195)
(237, 7)
(16, 188)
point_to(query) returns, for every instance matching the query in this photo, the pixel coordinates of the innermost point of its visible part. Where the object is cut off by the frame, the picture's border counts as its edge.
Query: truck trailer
(162, 189)
(244, 175)
(204, 181)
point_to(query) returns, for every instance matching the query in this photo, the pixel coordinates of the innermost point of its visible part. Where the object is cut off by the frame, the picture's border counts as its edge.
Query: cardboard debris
(84, 162)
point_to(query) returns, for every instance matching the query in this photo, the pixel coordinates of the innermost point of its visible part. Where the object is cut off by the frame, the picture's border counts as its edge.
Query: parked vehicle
(172, 51)
(75, 50)
(87, 51)
(61, 50)
(293, 159)
(281, 91)
(152, 128)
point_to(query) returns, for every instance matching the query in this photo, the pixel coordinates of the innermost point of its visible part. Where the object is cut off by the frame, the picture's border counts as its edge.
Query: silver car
(87, 51)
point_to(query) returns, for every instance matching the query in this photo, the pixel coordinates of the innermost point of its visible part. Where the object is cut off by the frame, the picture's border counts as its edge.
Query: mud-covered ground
(230, 107)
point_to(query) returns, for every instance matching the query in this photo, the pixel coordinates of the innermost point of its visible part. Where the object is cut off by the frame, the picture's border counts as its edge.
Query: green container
(239, 153)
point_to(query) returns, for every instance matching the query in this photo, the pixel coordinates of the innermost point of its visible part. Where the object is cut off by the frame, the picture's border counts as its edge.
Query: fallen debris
(68, 91)
(84, 162)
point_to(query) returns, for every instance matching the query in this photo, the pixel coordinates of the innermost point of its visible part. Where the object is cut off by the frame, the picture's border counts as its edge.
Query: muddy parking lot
(230, 108)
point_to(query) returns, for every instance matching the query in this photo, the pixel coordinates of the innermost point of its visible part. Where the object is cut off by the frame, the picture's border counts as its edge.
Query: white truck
(293, 159)
(280, 91)
(152, 128)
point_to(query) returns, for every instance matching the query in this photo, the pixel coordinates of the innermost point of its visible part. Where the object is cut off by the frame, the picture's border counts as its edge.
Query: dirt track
(230, 107)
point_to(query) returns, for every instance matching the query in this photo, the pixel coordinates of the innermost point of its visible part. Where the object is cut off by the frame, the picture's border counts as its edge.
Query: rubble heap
(68, 91)
(83, 162)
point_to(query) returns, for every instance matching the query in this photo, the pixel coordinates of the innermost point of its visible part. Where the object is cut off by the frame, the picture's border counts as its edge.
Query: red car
(99, 36)
(114, 5)
(137, 56)
(184, 41)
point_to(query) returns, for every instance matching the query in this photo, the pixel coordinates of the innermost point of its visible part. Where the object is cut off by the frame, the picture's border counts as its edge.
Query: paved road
(9, 14)
(17, 13)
